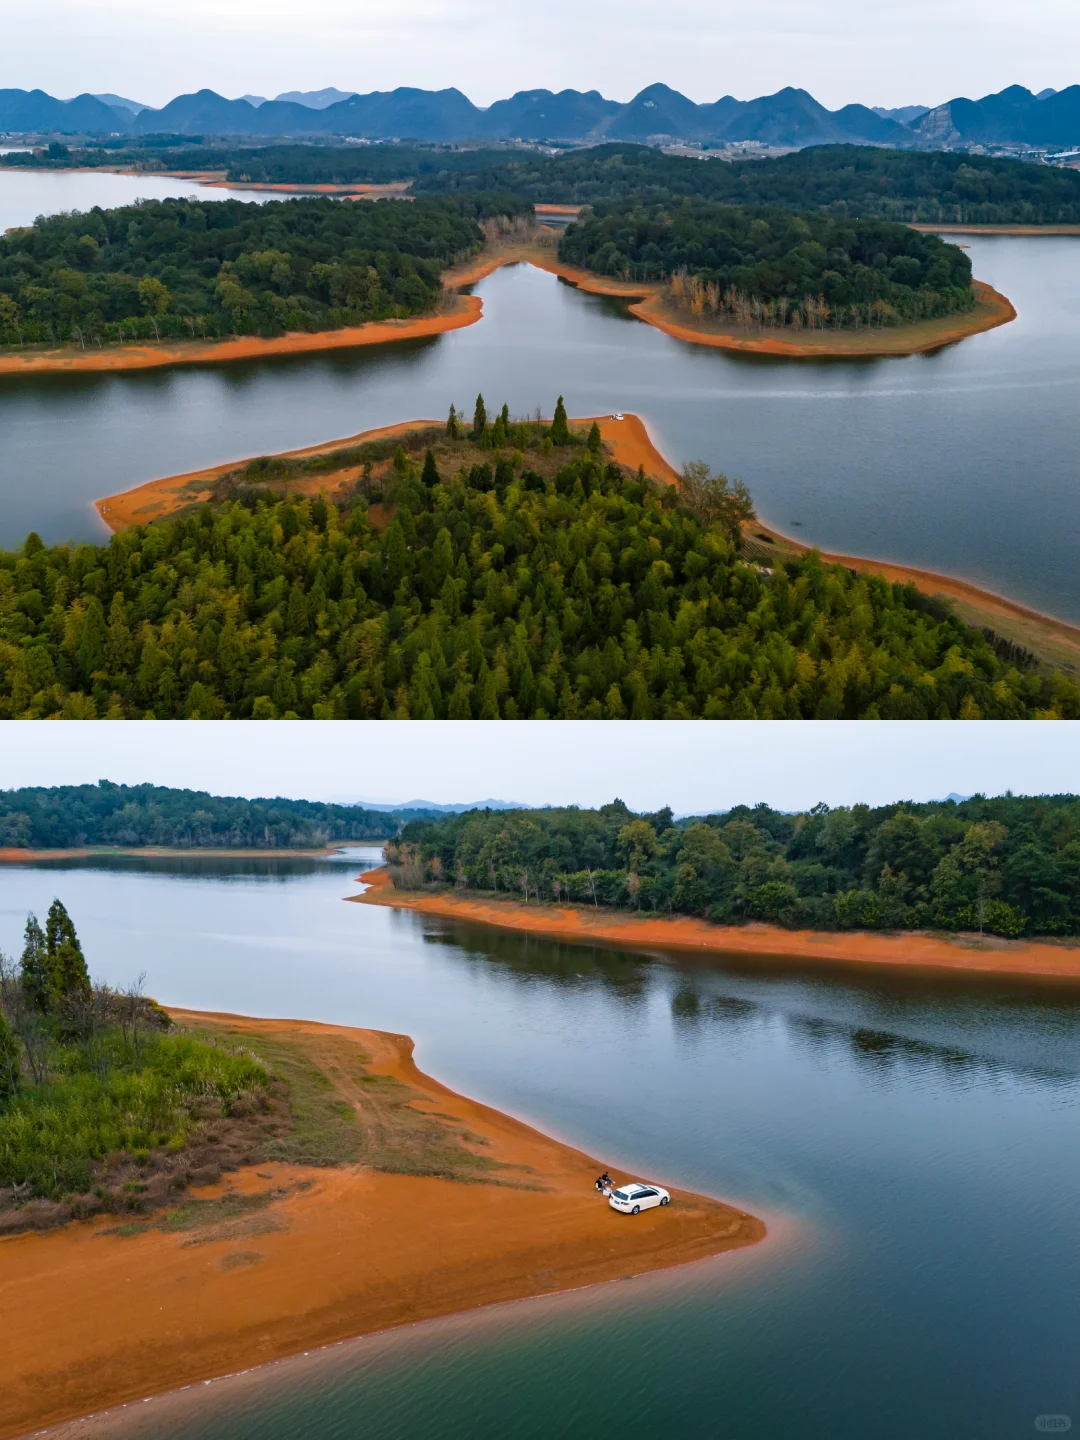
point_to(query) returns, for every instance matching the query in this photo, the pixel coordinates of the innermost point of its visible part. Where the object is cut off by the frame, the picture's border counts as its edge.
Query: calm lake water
(913, 1146)
(26, 194)
(963, 462)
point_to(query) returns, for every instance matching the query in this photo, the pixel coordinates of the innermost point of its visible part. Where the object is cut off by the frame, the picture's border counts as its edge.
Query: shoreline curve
(301, 1281)
(917, 951)
(991, 310)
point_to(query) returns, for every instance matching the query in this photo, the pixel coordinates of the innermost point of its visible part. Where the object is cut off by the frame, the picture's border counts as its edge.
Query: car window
(642, 1193)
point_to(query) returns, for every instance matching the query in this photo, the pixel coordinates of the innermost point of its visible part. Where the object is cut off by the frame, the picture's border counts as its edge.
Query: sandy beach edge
(444, 1247)
(912, 950)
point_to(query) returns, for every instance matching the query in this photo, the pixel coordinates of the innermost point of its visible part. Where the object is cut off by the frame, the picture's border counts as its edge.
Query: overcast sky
(694, 767)
(898, 52)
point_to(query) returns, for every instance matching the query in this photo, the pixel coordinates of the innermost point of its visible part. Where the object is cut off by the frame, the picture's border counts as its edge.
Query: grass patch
(113, 1098)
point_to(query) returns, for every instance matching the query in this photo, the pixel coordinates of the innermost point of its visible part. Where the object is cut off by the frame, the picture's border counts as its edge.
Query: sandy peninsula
(913, 951)
(298, 1257)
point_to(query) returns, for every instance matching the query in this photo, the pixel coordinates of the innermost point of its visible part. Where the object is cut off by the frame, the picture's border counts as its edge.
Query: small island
(258, 1168)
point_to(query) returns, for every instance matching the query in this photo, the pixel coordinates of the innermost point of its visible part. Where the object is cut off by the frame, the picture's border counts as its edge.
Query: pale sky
(898, 52)
(695, 767)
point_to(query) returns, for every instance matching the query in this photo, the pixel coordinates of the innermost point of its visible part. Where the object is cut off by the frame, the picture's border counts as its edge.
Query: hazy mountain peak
(315, 99)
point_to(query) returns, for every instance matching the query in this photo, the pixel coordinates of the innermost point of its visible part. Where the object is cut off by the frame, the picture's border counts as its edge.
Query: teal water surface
(912, 1145)
(963, 461)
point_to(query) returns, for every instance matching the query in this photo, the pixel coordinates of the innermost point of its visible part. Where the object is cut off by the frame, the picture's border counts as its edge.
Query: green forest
(186, 269)
(64, 816)
(850, 181)
(772, 267)
(856, 181)
(503, 569)
(1009, 866)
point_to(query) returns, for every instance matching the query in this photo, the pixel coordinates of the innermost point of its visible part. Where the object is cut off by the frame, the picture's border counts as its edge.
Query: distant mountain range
(1012, 117)
(429, 806)
(789, 118)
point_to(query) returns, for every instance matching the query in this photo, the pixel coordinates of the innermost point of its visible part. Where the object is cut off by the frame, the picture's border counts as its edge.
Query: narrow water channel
(912, 1145)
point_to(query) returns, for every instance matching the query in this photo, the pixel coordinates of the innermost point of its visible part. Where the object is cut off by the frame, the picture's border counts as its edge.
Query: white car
(635, 1195)
(617, 416)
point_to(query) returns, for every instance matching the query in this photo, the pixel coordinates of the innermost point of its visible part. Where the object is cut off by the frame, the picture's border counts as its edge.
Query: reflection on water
(962, 461)
(911, 1143)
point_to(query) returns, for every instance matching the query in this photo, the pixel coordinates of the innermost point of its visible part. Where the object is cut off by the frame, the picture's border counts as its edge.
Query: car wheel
(666, 1200)
(636, 1210)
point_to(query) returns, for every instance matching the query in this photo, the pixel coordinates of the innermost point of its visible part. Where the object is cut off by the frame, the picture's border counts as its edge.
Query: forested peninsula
(503, 569)
(190, 270)
(62, 817)
(774, 269)
(1008, 866)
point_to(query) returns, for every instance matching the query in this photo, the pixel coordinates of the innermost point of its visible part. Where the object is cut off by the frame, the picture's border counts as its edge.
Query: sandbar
(92, 1320)
(911, 950)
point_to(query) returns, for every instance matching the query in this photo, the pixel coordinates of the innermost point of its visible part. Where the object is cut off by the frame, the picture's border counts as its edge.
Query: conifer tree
(453, 425)
(67, 973)
(479, 424)
(560, 430)
(9, 1063)
(430, 475)
(596, 444)
(498, 433)
(34, 967)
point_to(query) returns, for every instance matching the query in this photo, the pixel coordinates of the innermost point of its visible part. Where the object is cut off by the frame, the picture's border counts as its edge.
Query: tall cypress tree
(67, 972)
(596, 443)
(453, 426)
(34, 966)
(430, 474)
(560, 430)
(479, 424)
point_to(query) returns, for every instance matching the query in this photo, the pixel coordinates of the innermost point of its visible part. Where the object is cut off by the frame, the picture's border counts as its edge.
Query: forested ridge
(1009, 866)
(511, 572)
(771, 267)
(60, 817)
(189, 269)
(850, 181)
(855, 181)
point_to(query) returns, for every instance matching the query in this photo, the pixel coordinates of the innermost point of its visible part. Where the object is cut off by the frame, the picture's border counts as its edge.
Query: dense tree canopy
(860, 181)
(190, 268)
(1010, 865)
(64, 816)
(542, 581)
(797, 269)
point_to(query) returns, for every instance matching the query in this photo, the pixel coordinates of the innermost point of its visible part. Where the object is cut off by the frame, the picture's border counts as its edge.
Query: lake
(912, 1145)
(26, 194)
(963, 461)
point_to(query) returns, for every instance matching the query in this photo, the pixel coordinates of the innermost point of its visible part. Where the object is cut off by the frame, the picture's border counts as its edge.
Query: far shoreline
(912, 951)
(13, 855)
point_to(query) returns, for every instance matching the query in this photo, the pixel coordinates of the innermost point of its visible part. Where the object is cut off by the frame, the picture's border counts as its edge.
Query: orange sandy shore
(991, 310)
(628, 439)
(464, 310)
(966, 954)
(997, 229)
(92, 1320)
